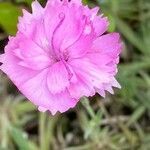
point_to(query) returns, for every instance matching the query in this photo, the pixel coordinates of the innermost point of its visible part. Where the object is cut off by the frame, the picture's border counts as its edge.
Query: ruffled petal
(39, 94)
(63, 25)
(57, 78)
(37, 9)
(30, 54)
(108, 44)
(90, 72)
(99, 59)
(81, 46)
(100, 25)
(104, 62)
(28, 22)
(36, 63)
(81, 88)
(16, 73)
(27, 47)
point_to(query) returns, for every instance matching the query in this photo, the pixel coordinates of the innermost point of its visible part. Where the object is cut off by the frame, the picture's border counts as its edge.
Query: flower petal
(108, 44)
(63, 25)
(16, 73)
(39, 94)
(30, 54)
(57, 78)
(100, 25)
(89, 76)
(37, 9)
(81, 88)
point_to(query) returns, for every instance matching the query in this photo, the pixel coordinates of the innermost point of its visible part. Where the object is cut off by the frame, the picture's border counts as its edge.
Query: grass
(118, 122)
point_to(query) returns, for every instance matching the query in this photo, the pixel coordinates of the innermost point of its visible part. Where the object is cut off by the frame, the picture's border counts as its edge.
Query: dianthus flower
(61, 53)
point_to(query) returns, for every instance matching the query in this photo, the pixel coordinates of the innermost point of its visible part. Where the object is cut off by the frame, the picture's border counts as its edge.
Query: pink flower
(60, 54)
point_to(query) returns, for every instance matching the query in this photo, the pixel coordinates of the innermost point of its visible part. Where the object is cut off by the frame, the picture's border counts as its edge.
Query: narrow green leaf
(20, 138)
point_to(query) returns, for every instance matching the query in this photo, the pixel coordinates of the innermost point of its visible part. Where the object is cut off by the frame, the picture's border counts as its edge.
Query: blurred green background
(118, 122)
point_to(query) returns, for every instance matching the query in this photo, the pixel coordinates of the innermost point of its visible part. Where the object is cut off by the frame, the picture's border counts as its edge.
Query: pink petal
(37, 9)
(108, 44)
(63, 26)
(16, 73)
(27, 47)
(89, 73)
(31, 55)
(40, 95)
(100, 25)
(81, 88)
(83, 44)
(103, 62)
(93, 12)
(99, 59)
(27, 23)
(57, 78)
(36, 63)
(40, 38)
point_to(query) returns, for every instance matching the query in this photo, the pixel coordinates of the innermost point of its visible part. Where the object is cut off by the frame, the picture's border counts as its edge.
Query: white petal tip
(102, 93)
(42, 109)
(116, 84)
